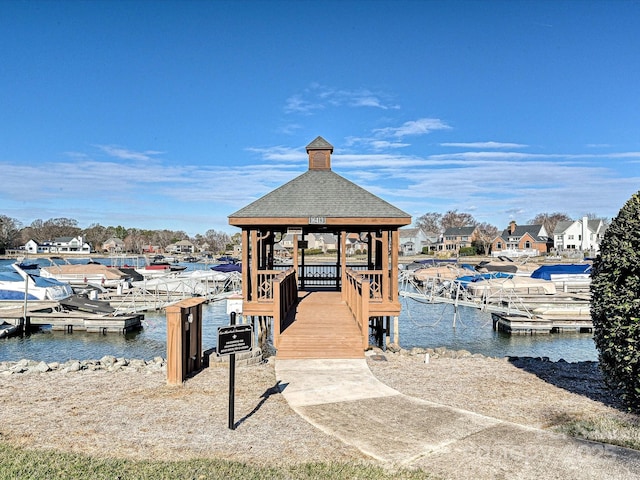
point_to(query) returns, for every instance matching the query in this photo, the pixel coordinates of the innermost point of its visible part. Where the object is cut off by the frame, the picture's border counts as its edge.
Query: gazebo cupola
(319, 152)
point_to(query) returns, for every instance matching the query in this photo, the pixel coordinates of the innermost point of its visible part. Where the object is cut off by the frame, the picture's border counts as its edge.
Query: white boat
(14, 285)
(197, 282)
(84, 274)
(512, 285)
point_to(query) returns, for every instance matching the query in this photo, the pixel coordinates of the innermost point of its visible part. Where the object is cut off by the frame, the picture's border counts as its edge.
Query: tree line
(438, 223)
(13, 235)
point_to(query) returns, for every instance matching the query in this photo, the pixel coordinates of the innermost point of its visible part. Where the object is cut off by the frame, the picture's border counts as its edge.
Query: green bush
(615, 303)
(313, 251)
(467, 251)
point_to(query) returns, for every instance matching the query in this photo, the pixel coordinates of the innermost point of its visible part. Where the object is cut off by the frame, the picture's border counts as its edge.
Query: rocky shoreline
(108, 363)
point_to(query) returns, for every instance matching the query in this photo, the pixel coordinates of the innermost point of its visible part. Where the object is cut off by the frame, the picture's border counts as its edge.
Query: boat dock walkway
(70, 321)
(541, 324)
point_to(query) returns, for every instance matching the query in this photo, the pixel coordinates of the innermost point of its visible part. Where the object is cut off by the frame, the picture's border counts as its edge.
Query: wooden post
(254, 266)
(396, 333)
(295, 256)
(174, 346)
(184, 339)
(343, 263)
(395, 245)
(277, 311)
(246, 282)
(365, 314)
(385, 266)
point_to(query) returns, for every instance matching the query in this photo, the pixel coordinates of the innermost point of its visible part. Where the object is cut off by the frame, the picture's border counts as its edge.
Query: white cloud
(279, 153)
(297, 104)
(422, 126)
(319, 97)
(126, 154)
(484, 145)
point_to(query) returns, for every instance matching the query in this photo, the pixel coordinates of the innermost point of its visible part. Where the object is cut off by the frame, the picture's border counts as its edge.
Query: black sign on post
(231, 340)
(234, 339)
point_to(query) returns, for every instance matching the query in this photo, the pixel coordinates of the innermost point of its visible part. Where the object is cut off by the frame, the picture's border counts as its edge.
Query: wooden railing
(357, 294)
(264, 285)
(375, 283)
(285, 297)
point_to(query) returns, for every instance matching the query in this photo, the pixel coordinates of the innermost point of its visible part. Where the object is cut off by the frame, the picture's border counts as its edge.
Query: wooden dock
(70, 321)
(323, 327)
(542, 324)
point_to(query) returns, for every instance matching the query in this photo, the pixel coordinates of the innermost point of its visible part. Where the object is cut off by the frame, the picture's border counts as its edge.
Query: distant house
(113, 245)
(322, 241)
(413, 240)
(183, 246)
(31, 247)
(455, 238)
(584, 235)
(521, 240)
(354, 244)
(326, 242)
(60, 245)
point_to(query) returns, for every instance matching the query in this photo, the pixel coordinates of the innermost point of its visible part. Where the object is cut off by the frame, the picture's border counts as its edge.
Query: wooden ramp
(323, 327)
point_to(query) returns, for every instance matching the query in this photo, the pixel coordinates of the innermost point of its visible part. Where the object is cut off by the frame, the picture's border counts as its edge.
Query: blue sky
(176, 114)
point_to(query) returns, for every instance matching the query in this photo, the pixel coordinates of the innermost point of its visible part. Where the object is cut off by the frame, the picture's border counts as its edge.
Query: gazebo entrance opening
(320, 271)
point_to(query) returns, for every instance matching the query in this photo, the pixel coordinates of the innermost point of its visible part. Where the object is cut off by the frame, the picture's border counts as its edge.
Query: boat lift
(436, 290)
(141, 298)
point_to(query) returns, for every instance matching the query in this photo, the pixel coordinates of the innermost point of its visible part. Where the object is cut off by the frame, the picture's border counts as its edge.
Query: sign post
(231, 340)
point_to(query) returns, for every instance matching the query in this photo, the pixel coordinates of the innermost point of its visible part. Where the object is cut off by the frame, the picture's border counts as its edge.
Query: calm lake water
(420, 325)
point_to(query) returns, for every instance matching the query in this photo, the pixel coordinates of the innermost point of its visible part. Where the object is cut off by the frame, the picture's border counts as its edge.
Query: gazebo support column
(295, 257)
(246, 277)
(384, 260)
(254, 265)
(342, 265)
(395, 245)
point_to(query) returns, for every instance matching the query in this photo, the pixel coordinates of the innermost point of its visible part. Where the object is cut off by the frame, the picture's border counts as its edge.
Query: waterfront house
(413, 241)
(60, 245)
(326, 242)
(183, 246)
(583, 235)
(113, 245)
(521, 240)
(455, 238)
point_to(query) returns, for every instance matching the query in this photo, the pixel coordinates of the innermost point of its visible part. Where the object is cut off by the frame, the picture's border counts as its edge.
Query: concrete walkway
(344, 399)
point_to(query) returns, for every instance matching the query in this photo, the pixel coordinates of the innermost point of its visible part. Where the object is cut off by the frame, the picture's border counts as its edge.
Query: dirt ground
(134, 414)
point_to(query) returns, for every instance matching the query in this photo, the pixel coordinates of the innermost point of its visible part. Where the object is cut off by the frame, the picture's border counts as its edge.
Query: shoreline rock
(107, 363)
(112, 364)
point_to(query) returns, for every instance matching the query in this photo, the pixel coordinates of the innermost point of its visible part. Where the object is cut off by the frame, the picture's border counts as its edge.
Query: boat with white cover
(15, 285)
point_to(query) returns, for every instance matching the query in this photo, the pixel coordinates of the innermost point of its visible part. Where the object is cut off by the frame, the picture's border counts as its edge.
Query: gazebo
(320, 201)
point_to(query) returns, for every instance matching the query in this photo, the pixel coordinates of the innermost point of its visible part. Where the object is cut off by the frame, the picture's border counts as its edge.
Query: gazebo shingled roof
(320, 192)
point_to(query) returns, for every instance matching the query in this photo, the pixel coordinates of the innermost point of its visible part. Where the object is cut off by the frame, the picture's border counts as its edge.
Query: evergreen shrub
(615, 303)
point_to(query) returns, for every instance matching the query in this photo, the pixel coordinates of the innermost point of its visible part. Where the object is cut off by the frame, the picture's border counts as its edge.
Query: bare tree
(430, 222)
(96, 235)
(42, 231)
(549, 220)
(454, 219)
(486, 234)
(217, 241)
(9, 232)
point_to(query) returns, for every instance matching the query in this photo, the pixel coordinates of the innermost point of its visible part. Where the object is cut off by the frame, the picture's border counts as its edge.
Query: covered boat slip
(304, 303)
